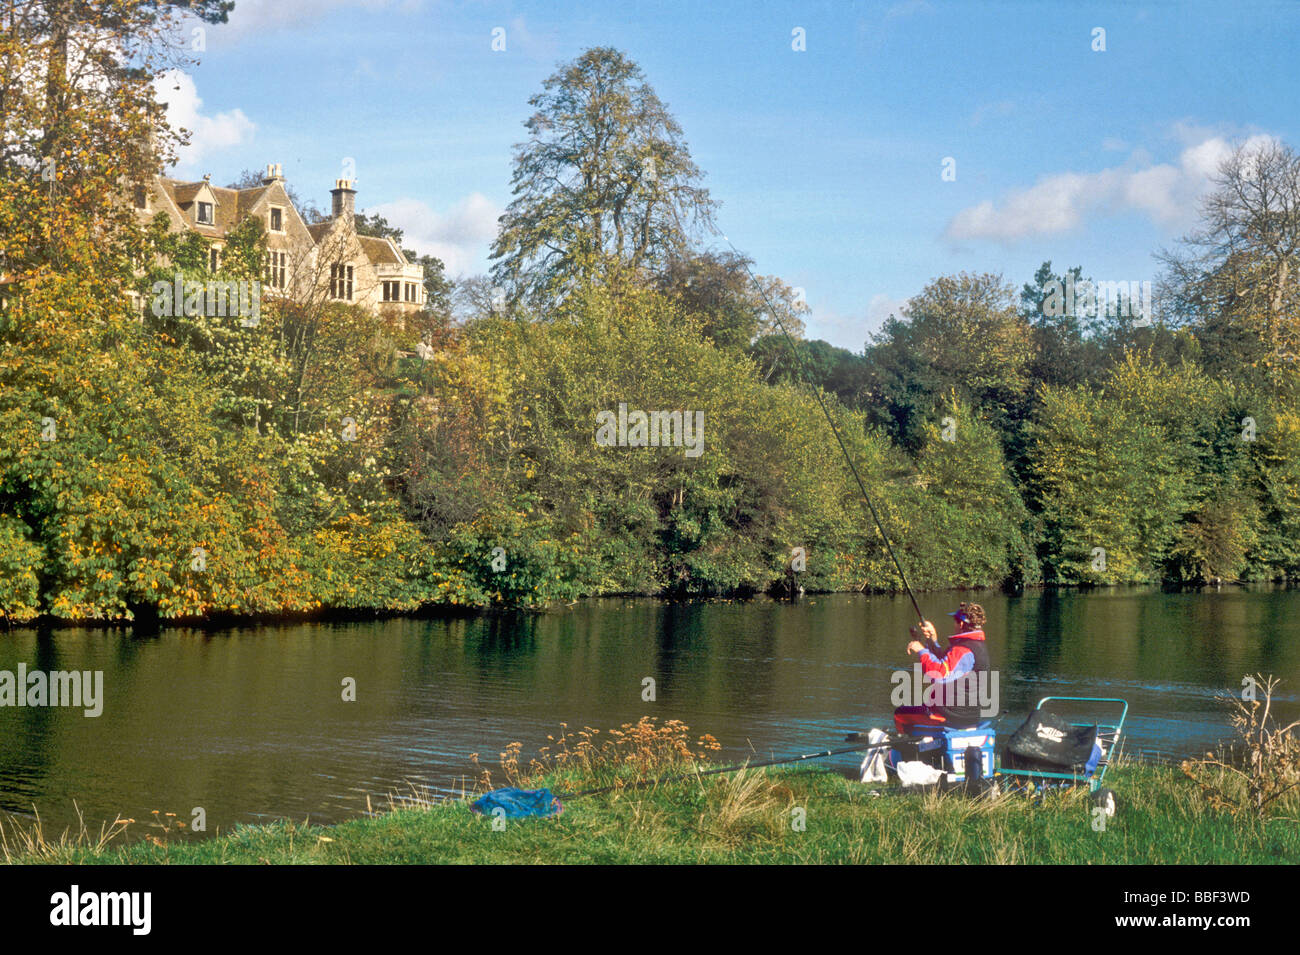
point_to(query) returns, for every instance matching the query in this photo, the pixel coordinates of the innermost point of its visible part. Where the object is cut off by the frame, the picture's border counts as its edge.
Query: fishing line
(817, 393)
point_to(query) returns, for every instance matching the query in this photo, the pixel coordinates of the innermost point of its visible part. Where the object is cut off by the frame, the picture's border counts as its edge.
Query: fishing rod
(817, 393)
(780, 761)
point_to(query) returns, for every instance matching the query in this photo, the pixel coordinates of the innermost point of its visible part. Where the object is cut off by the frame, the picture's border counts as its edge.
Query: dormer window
(205, 213)
(277, 219)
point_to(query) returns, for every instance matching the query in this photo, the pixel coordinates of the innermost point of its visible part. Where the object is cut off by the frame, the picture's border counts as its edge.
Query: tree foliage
(185, 465)
(604, 183)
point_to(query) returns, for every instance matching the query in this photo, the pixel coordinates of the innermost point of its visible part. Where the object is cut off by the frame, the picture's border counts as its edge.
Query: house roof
(247, 199)
(228, 207)
(183, 192)
(234, 205)
(380, 251)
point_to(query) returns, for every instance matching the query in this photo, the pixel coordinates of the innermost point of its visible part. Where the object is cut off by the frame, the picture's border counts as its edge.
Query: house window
(141, 198)
(392, 291)
(410, 292)
(214, 259)
(277, 219)
(276, 265)
(205, 213)
(341, 281)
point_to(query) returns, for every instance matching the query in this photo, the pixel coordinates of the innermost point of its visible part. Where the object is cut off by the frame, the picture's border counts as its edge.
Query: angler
(959, 676)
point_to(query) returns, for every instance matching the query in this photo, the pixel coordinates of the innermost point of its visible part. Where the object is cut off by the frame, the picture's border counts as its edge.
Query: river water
(251, 724)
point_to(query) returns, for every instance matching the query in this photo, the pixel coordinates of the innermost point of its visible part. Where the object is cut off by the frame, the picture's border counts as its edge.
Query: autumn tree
(80, 120)
(1235, 278)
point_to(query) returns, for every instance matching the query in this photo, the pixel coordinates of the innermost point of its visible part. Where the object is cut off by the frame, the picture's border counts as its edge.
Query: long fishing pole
(779, 761)
(817, 393)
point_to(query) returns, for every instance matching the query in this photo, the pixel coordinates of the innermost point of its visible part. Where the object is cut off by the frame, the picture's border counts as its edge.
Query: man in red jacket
(954, 673)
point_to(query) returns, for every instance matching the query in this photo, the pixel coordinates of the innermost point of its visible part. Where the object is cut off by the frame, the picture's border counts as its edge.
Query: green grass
(747, 818)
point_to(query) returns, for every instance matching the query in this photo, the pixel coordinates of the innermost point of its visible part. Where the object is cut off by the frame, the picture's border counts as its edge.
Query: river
(251, 724)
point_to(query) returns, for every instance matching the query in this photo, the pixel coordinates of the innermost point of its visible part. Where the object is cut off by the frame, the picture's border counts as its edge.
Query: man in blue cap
(955, 671)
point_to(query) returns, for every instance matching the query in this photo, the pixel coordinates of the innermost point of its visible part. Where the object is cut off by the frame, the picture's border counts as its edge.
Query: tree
(475, 296)
(372, 223)
(1235, 279)
(79, 117)
(1064, 351)
(98, 47)
(604, 183)
(733, 307)
(1137, 480)
(973, 524)
(961, 334)
(826, 366)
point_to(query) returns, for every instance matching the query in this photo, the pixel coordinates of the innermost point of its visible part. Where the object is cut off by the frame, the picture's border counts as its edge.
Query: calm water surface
(251, 725)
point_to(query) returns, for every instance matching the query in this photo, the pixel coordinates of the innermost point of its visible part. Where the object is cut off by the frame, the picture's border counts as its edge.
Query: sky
(858, 150)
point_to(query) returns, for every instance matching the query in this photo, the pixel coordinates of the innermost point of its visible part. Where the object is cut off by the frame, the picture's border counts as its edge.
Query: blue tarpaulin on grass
(518, 803)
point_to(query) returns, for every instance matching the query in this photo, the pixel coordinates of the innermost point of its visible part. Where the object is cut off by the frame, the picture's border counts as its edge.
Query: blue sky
(827, 162)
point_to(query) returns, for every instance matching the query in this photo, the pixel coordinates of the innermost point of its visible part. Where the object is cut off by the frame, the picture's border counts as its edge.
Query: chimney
(273, 174)
(345, 198)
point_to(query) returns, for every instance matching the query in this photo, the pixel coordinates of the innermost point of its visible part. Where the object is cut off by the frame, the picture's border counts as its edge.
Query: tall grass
(29, 842)
(633, 754)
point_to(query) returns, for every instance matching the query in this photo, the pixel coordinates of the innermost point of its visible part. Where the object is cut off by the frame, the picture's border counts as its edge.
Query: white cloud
(461, 236)
(1167, 193)
(208, 134)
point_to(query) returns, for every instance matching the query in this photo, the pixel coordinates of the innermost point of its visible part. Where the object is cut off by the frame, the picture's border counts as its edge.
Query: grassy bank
(749, 817)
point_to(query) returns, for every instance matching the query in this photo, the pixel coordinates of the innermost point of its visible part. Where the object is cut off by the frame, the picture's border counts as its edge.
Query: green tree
(733, 307)
(974, 527)
(604, 184)
(960, 334)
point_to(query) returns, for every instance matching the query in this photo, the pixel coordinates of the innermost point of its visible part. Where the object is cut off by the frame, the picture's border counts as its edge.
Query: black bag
(1050, 743)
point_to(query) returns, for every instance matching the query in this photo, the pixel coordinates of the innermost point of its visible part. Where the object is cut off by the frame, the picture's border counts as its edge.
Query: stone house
(325, 261)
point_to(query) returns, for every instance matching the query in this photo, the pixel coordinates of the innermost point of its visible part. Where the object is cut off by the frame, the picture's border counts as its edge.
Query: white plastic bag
(918, 774)
(873, 764)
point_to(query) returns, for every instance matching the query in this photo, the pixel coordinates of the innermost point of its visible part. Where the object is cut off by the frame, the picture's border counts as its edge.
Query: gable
(381, 251)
